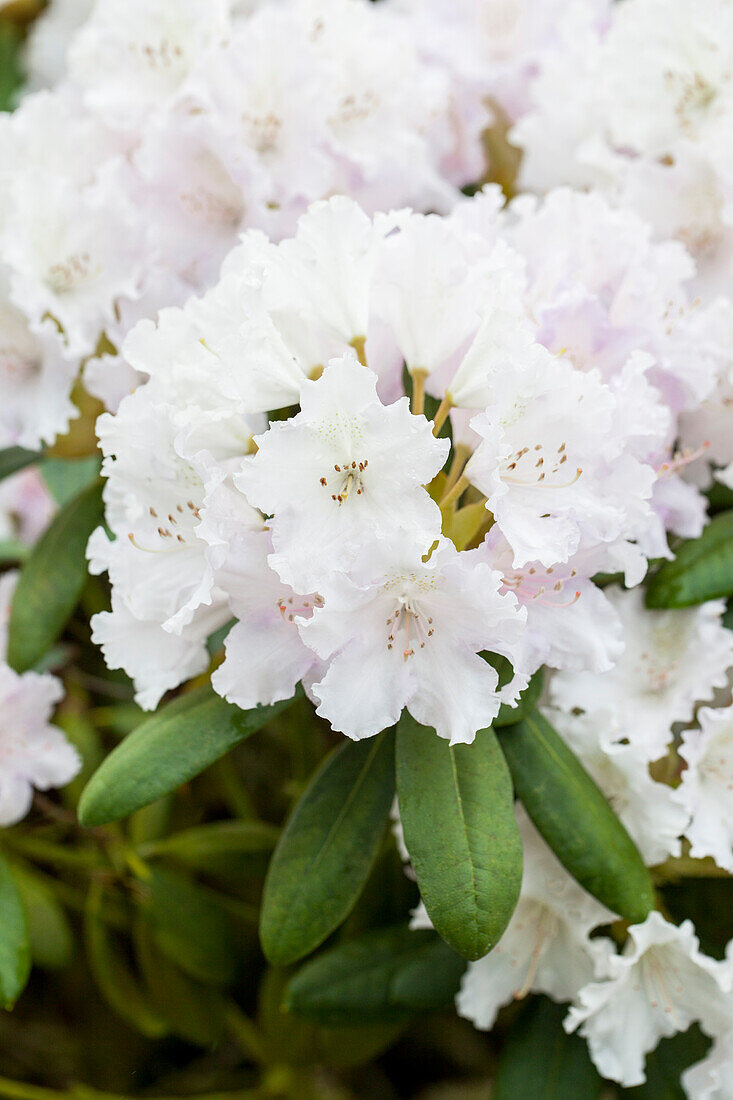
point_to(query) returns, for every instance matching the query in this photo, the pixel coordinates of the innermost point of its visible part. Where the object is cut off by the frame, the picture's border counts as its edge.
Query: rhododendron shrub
(366, 549)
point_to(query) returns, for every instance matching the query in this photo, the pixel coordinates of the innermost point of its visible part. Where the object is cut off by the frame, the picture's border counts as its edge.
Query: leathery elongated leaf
(169, 748)
(327, 848)
(13, 459)
(386, 974)
(702, 569)
(51, 580)
(540, 1060)
(457, 811)
(15, 954)
(575, 818)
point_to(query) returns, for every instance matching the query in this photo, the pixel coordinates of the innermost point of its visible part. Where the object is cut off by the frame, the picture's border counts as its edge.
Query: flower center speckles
(292, 607)
(694, 94)
(409, 627)
(355, 108)
(212, 208)
(70, 272)
(543, 587)
(536, 467)
(169, 531)
(661, 980)
(344, 480)
(263, 131)
(159, 56)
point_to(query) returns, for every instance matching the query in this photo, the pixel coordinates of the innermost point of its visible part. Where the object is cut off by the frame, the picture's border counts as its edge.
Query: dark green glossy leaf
(221, 847)
(384, 975)
(169, 748)
(51, 580)
(507, 715)
(541, 1061)
(191, 926)
(327, 848)
(192, 1010)
(11, 72)
(293, 1040)
(457, 811)
(13, 459)
(15, 954)
(111, 971)
(575, 818)
(50, 937)
(702, 569)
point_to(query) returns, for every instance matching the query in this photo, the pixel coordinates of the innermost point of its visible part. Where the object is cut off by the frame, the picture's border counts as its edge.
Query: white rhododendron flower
(546, 947)
(33, 753)
(356, 539)
(344, 445)
(712, 1078)
(671, 661)
(654, 818)
(658, 985)
(647, 122)
(706, 790)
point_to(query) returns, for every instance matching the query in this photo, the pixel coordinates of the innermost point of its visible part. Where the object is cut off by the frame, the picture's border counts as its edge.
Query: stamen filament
(359, 346)
(443, 409)
(417, 404)
(453, 494)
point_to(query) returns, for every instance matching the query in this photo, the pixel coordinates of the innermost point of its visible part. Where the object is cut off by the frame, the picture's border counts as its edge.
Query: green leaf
(15, 954)
(191, 926)
(292, 1040)
(222, 847)
(702, 569)
(540, 1060)
(457, 812)
(169, 748)
(193, 1011)
(575, 818)
(66, 477)
(111, 971)
(12, 551)
(507, 715)
(13, 459)
(11, 72)
(384, 975)
(51, 580)
(50, 937)
(327, 848)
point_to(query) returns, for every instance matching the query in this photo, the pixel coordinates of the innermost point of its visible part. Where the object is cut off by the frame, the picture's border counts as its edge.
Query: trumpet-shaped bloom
(411, 638)
(706, 790)
(345, 472)
(658, 985)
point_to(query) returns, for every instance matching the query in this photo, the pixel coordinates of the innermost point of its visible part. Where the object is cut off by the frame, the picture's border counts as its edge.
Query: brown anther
(323, 481)
(153, 513)
(333, 496)
(180, 538)
(337, 469)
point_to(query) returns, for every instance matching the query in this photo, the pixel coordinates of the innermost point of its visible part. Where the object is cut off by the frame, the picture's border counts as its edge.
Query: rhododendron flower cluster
(412, 324)
(346, 533)
(188, 123)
